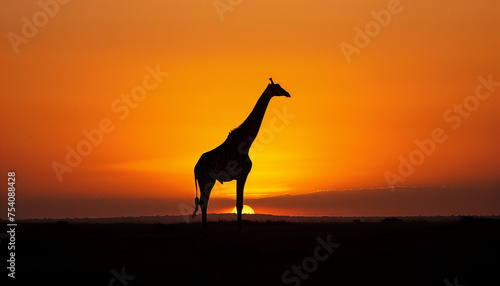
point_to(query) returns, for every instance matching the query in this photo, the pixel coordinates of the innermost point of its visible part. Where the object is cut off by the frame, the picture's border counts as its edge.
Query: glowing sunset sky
(351, 118)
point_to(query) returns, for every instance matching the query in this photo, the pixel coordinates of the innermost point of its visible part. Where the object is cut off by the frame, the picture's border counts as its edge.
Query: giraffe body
(230, 160)
(223, 164)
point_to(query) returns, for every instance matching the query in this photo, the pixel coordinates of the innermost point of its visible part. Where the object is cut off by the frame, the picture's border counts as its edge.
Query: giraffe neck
(250, 127)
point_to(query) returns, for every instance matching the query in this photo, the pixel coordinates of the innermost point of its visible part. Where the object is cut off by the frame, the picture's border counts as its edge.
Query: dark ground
(388, 253)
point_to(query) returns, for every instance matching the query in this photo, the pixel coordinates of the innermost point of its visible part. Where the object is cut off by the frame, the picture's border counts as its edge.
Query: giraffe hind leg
(206, 186)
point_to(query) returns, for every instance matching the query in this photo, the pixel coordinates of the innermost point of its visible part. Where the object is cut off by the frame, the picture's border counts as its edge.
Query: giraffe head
(276, 90)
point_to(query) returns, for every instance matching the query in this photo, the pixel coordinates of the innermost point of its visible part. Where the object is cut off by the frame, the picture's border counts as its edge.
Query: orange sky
(352, 119)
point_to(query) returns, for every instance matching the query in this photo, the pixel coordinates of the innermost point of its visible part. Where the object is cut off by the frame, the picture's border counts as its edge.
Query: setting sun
(246, 210)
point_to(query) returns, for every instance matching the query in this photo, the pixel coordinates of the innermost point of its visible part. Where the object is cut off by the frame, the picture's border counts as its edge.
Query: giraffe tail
(196, 200)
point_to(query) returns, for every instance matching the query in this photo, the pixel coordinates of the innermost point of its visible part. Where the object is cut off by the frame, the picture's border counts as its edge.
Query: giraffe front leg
(239, 201)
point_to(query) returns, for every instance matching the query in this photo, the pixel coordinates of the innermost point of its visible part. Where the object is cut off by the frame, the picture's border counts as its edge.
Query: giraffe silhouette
(230, 161)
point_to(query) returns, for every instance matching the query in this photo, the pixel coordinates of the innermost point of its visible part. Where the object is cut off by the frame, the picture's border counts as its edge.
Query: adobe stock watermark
(455, 282)
(309, 265)
(278, 123)
(372, 29)
(48, 9)
(453, 116)
(123, 278)
(121, 107)
(223, 6)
